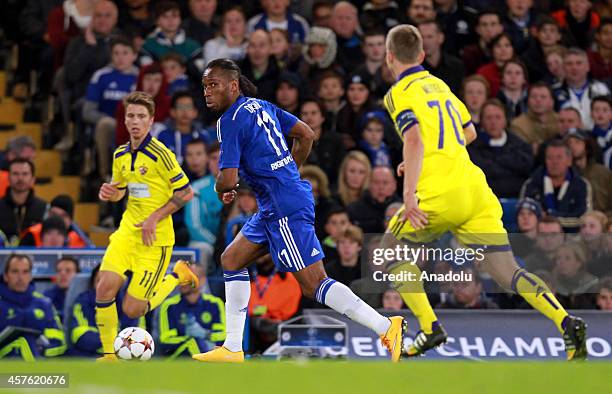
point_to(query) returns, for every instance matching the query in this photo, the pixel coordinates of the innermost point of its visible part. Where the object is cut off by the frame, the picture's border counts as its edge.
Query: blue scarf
(550, 201)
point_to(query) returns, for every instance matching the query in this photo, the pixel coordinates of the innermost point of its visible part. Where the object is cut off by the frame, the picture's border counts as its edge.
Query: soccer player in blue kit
(253, 134)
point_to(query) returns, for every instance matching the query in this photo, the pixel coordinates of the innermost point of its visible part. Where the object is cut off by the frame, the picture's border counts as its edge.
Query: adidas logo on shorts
(314, 252)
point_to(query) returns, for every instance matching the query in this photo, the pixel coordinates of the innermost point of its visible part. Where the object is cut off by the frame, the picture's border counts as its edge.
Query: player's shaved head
(405, 43)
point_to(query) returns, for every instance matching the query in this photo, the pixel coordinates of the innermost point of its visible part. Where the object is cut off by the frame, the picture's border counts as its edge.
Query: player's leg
(294, 247)
(249, 244)
(111, 279)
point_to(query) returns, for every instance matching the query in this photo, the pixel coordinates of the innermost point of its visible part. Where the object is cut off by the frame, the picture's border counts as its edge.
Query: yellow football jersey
(151, 175)
(420, 98)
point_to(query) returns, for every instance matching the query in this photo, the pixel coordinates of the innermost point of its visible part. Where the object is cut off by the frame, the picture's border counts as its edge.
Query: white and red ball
(134, 343)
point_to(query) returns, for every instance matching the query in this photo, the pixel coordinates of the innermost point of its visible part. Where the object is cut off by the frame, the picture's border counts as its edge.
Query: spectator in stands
(136, 20)
(505, 159)
(559, 187)
(592, 227)
(373, 48)
(232, 42)
(85, 54)
(519, 19)
(203, 213)
(336, 222)
(392, 300)
(359, 101)
(22, 147)
(322, 197)
(555, 72)
(20, 208)
(368, 289)
(372, 144)
(528, 213)
(488, 26)
(195, 165)
(578, 89)
(600, 177)
(379, 14)
(540, 123)
(347, 267)
(572, 281)
(599, 58)
(502, 51)
(327, 150)
(475, 93)
(174, 68)
(353, 177)
(513, 89)
(419, 11)
(168, 35)
(330, 91)
(604, 294)
(245, 206)
(569, 119)
(201, 25)
(369, 211)
(287, 57)
(287, 94)
(277, 15)
(468, 293)
(151, 80)
(345, 23)
(192, 321)
(578, 22)
(62, 207)
(546, 36)
(66, 269)
(53, 233)
(550, 238)
(84, 335)
(66, 22)
(183, 127)
(106, 89)
(275, 297)
(437, 61)
(457, 21)
(321, 13)
(601, 111)
(22, 307)
(260, 65)
(318, 56)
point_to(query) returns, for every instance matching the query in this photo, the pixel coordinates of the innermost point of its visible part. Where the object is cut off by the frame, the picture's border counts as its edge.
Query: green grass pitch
(321, 377)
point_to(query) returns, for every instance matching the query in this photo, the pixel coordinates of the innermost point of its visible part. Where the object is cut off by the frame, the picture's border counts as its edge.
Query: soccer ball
(134, 343)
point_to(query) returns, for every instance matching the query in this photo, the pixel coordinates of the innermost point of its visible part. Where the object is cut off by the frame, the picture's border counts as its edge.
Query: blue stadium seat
(79, 284)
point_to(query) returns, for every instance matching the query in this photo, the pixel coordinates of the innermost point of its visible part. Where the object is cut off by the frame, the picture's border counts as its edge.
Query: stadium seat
(69, 185)
(509, 217)
(33, 130)
(6, 136)
(79, 284)
(11, 111)
(100, 238)
(86, 214)
(2, 84)
(48, 163)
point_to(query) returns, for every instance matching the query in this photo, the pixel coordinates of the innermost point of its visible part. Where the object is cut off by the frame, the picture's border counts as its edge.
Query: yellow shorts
(472, 213)
(147, 263)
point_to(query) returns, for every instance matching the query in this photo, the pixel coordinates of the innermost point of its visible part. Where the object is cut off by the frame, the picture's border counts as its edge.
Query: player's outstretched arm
(110, 192)
(177, 201)
(470, 134)
(302, 144)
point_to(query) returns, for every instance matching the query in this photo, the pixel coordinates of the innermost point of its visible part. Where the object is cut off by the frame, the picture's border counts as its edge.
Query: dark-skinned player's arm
(413, 152)
(226, 184)
(303, 137)
(177, 201)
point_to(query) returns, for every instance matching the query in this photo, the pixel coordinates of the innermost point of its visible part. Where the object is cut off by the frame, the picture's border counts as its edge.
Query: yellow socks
(538, 295)
(108, 323)
(414, 295)
(168, 284)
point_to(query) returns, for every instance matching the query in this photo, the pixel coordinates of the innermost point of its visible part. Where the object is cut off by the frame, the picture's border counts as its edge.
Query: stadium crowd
(536, 77)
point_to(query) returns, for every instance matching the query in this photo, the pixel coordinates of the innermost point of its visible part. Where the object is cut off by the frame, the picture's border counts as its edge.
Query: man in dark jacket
(20, 208)
(260, 65)
(369, 211)
(559, 187)
(505, 159)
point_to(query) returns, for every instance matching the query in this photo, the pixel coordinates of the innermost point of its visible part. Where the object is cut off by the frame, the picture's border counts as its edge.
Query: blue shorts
(291, 240)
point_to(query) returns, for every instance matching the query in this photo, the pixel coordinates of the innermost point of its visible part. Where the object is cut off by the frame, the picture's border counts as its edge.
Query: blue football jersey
(252, 134)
